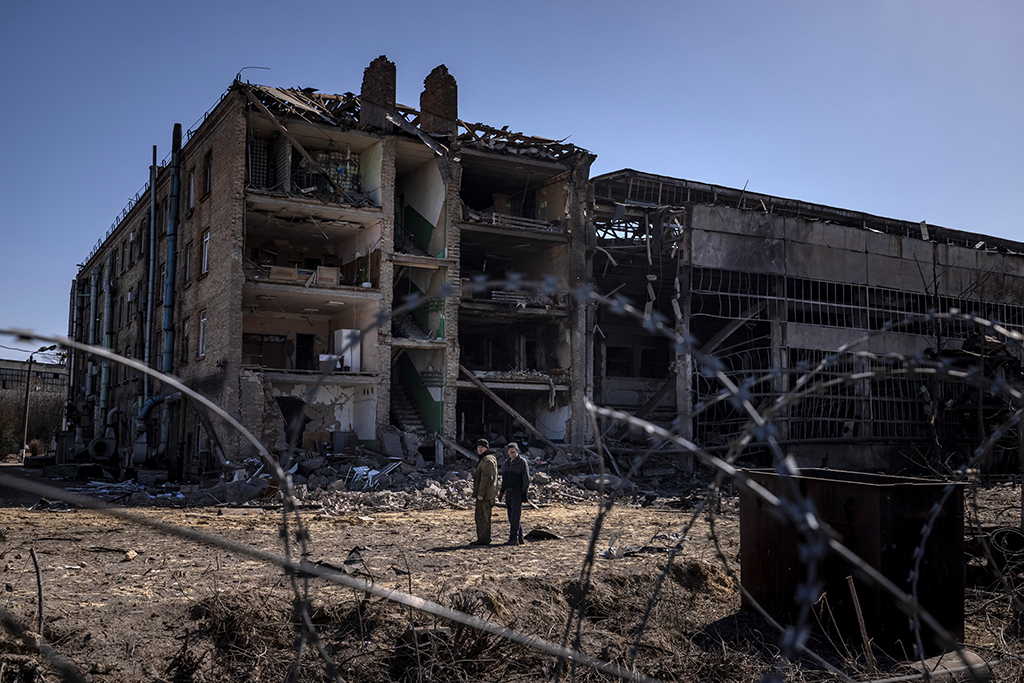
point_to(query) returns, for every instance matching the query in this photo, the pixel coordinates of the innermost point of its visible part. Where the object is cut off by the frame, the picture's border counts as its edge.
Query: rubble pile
(359, 479)
(421, 491)
(370, 482)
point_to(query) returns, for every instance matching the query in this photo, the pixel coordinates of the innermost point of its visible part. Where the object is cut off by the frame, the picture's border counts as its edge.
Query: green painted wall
(420, 228)
(428, 407)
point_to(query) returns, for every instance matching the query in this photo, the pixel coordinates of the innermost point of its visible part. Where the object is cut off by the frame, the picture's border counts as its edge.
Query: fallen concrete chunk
(311, 465)
(391, 442)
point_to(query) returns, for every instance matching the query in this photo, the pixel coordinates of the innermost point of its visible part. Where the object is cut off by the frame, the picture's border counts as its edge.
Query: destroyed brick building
(287, 225)
(283, 232)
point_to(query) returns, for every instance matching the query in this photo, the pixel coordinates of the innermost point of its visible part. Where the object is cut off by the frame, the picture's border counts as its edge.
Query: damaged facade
(287, 227)
(767, 283)
(290, 223)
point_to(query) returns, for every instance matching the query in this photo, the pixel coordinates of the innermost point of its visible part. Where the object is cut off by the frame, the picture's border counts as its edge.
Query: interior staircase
(404, 413)
(408, 327)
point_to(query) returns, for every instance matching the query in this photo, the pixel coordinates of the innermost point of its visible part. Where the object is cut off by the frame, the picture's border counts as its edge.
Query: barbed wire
(816, 539)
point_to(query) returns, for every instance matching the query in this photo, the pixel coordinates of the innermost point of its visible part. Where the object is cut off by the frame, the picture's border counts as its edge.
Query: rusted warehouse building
(283, 234)
(772, 287)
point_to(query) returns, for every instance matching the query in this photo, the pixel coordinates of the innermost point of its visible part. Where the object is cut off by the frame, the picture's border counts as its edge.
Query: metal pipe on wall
(172, 249)
(72, 359)
(72, 334)
(150, 275)
(93, 285)
(108, 339)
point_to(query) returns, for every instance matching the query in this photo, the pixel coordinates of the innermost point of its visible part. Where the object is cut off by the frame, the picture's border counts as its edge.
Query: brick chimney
(378, 94)
(439, 103)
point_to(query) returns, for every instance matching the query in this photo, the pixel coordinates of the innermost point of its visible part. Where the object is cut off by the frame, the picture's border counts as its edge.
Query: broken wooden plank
(450, 443)
(399, 120)
(507, 408)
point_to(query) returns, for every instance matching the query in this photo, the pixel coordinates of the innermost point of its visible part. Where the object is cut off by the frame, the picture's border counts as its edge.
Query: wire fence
(822, 377)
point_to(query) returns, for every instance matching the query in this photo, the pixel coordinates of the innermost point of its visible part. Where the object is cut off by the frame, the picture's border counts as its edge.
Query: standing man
(485, 487)
(515, 481)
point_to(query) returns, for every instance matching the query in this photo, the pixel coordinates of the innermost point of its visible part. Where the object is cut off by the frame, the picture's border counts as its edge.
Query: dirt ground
(126, 603)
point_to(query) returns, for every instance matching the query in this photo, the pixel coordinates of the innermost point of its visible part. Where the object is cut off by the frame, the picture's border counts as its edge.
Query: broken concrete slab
(311, 465)
(391, 443)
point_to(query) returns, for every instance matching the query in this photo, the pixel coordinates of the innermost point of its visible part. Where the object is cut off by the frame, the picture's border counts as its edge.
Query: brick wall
(439, 102)
(217, 293)
(387, 274)
(377, 94)
(451, 306)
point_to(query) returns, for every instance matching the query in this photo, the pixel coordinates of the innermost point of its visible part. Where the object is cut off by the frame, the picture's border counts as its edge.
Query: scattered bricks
(560, 459)
(541, 478)
(130, 555)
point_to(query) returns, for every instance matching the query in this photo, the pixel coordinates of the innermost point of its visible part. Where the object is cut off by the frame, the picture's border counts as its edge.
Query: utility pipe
(182, 412)
(153, 402)
(172, 251)
(72, 334)
(108, 339)
(151, 274)
(111, 413)
(93, 285)
(148, 407)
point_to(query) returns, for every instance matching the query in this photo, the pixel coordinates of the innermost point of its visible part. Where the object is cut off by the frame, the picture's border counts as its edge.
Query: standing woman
(515, 481)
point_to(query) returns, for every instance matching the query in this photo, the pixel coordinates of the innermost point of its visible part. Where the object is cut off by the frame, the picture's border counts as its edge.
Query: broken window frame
(208, 173)
(187, 276)
(201, 345)
(186, 325)
(205, 259)
(190, 190)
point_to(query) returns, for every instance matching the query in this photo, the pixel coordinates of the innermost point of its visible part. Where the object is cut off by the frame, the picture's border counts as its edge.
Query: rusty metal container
(878, 517)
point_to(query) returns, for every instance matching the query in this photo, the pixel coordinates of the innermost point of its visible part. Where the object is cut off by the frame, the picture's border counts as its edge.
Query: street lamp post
(28, 387)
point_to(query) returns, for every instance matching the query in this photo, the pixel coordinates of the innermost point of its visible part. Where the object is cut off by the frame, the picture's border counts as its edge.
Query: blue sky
(908, 109)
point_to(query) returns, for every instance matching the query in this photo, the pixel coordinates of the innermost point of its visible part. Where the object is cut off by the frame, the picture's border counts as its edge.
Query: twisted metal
(816, 539)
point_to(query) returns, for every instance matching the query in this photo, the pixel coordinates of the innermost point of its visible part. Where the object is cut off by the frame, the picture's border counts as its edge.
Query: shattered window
(188, 262)
(205, 264)
(618, 361)
(202, 333)
(654, 362)
(208, 173)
